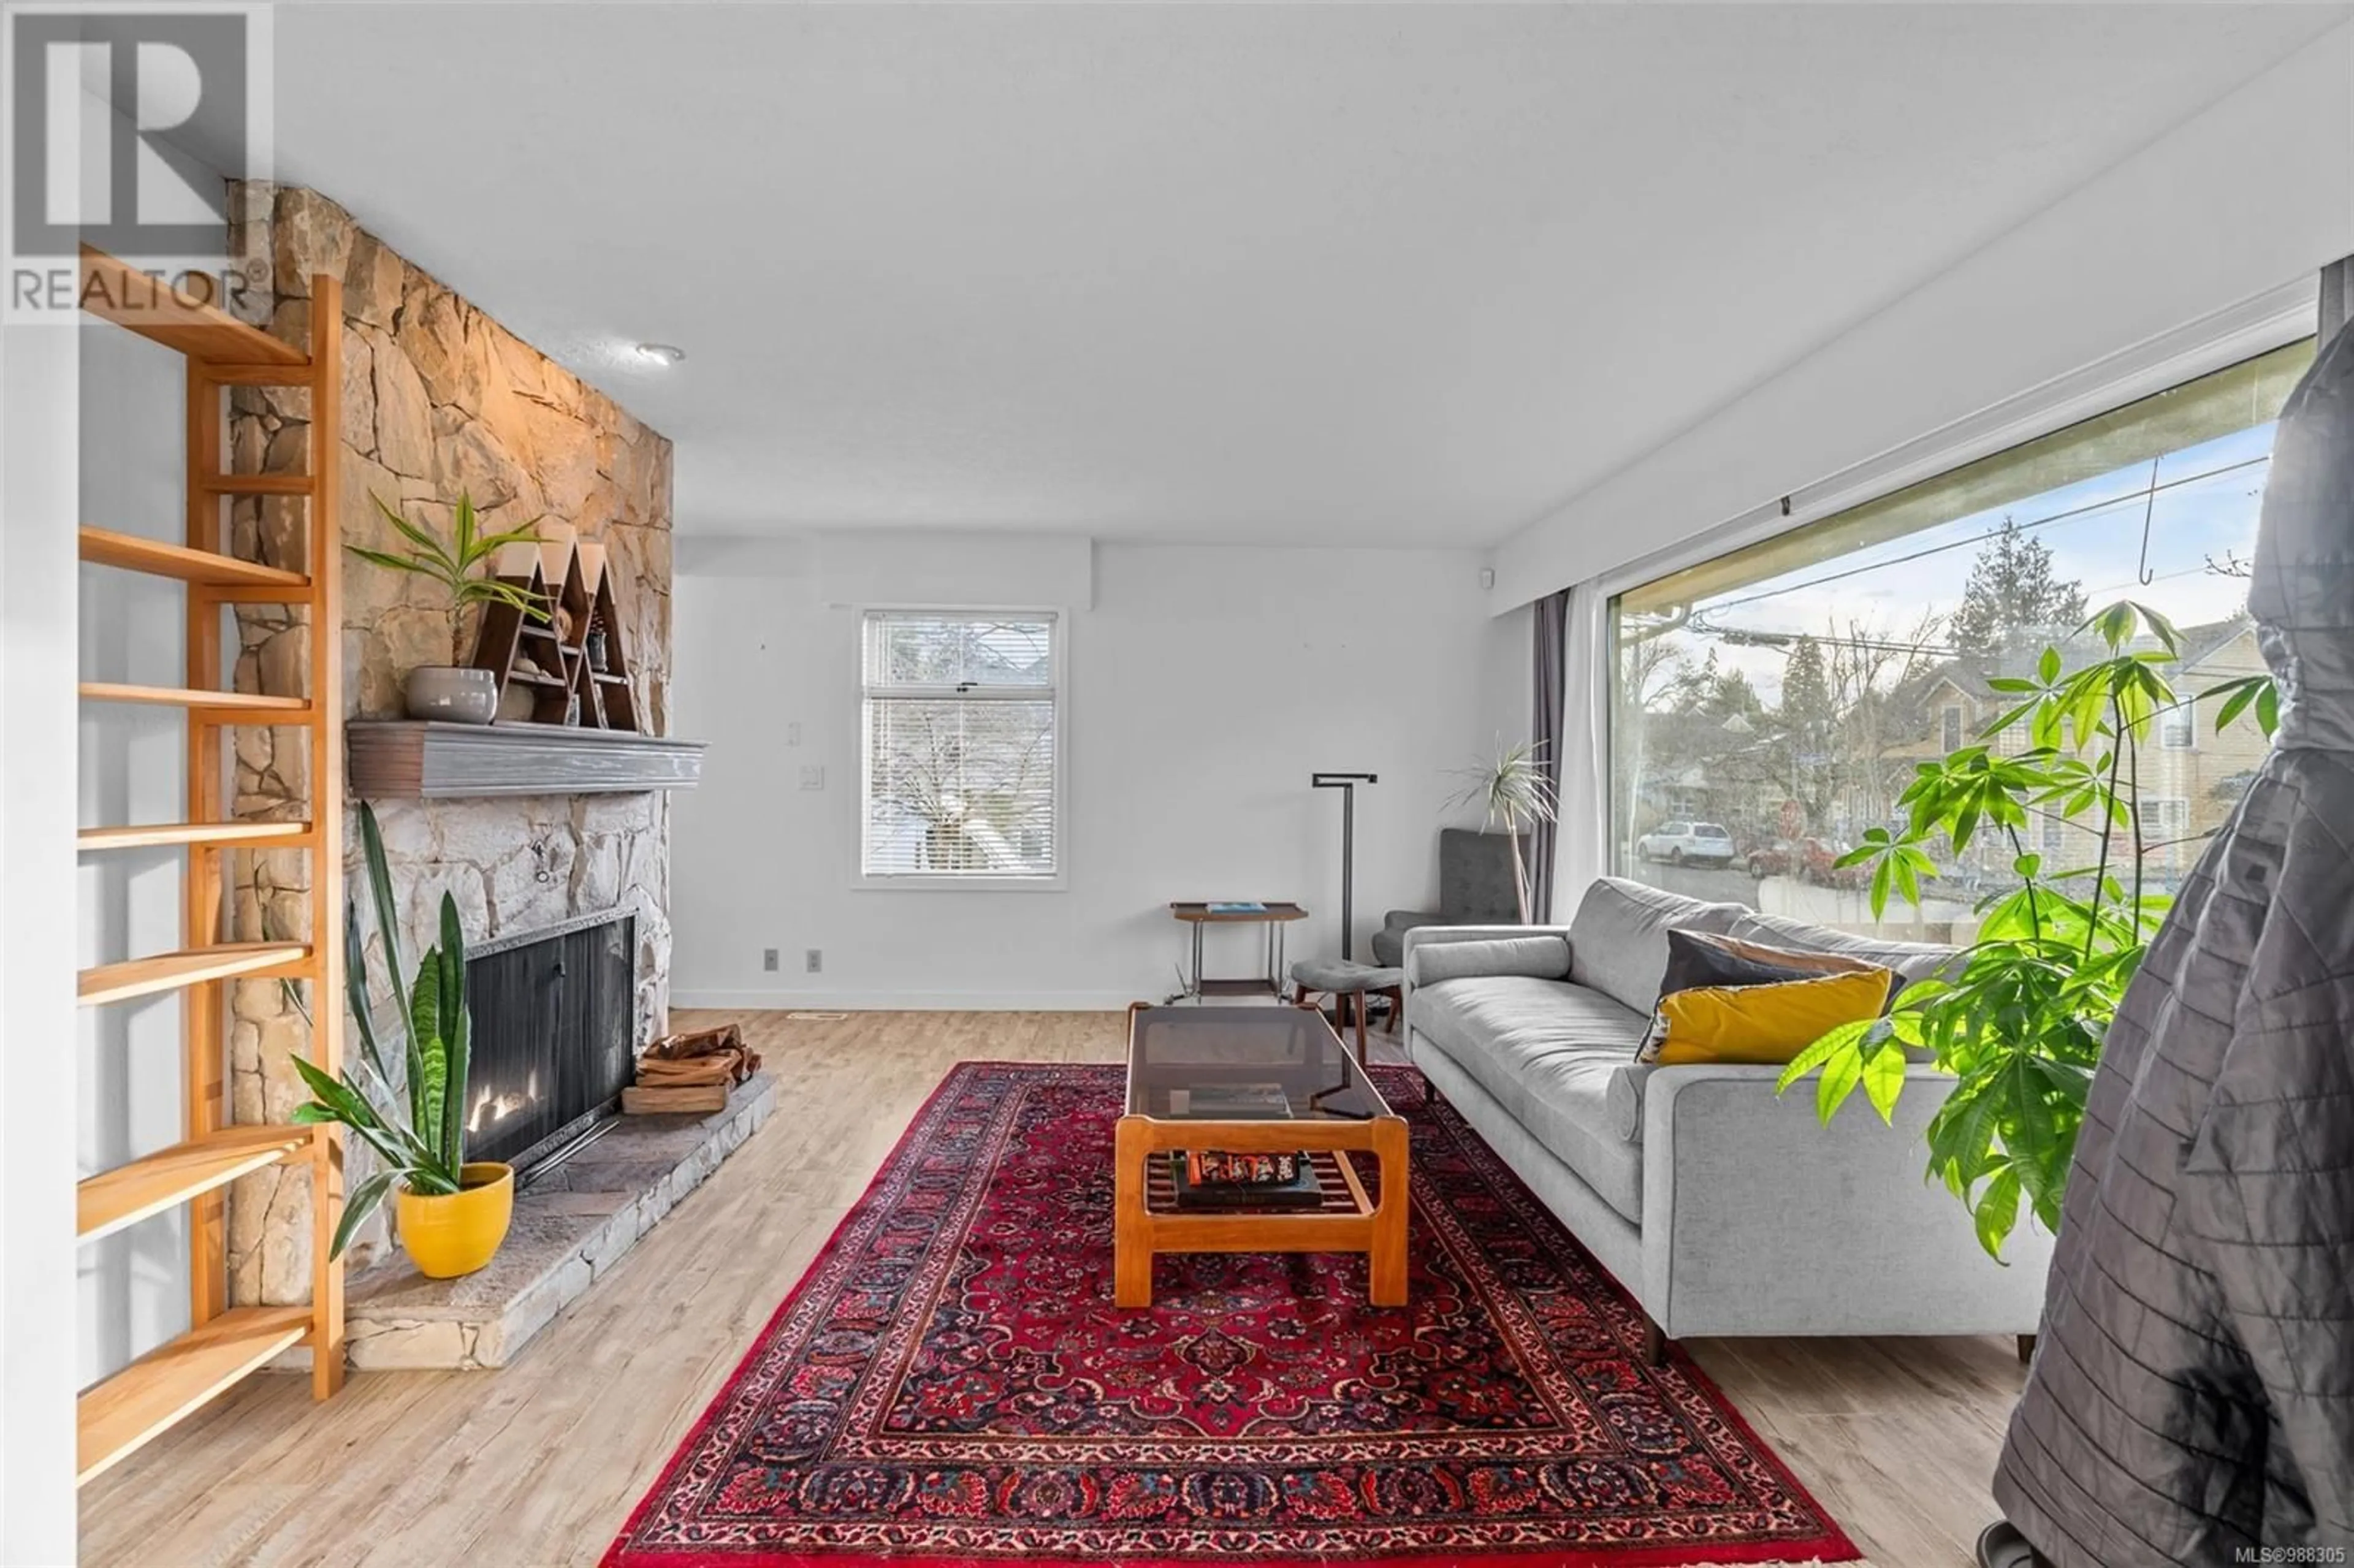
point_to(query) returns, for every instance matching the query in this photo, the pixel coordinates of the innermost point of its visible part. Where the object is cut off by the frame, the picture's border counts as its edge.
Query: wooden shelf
(129, 1193)
(609, 678)
(257, 484)
(132, 554)
(90, 840)
(115, 1418)
(178, 697)
(172, 971)
(131, 298)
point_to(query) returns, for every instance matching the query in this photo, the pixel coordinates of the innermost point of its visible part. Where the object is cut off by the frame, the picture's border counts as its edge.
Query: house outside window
(2177, 727)
(2166, 832)
(1789, 689)
(962, 746)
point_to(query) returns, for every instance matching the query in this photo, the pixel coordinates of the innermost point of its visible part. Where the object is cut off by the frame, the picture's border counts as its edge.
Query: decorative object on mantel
(437, 761)
(571, 660)
(454, 692)
(452, 1213)
(691, 1072)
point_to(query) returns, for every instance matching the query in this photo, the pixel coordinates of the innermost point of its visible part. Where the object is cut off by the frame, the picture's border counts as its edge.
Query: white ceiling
(1319, 274)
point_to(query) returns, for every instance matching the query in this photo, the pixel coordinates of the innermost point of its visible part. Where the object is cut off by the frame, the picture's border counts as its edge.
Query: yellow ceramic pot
(452, 1233)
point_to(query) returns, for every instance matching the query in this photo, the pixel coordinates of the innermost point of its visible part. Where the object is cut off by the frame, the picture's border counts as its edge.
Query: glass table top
(1244, 1063)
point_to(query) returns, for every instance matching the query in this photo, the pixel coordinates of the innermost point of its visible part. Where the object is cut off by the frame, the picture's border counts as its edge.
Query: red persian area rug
(950, 1384)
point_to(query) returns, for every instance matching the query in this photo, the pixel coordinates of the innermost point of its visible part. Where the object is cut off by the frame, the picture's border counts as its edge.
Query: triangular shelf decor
(551, 659)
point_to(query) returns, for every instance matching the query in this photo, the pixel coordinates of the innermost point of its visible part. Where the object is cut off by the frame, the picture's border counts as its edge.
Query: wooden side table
(1275, 917)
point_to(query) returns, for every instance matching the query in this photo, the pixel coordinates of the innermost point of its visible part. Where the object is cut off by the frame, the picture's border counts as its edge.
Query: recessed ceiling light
(660, 353)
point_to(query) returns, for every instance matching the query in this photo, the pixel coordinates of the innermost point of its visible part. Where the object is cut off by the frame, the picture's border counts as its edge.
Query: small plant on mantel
(452, 1213)
(2020, 1018)
(453, 692)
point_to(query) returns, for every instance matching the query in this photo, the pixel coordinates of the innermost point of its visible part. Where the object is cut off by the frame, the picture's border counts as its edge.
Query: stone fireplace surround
(437, 398)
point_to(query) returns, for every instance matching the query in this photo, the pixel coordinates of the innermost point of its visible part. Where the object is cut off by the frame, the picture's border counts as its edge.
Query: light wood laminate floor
(538, 1463)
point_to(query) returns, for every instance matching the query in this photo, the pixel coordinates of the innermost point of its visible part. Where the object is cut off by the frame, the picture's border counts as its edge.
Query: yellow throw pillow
(1768, 1024)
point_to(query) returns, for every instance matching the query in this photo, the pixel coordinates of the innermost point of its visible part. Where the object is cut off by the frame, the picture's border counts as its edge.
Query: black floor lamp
(1347, 784)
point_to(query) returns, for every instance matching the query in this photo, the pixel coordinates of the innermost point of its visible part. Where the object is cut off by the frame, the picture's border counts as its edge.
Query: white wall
(2255, 192)
(1508, 678)
(132, 1286)
(1205, 686)
(39, 419)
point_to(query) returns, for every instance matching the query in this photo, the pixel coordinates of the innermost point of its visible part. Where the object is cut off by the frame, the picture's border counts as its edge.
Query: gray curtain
(1544, 735)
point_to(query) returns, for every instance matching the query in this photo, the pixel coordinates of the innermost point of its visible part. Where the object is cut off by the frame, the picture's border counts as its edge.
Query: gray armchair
(1475, 888)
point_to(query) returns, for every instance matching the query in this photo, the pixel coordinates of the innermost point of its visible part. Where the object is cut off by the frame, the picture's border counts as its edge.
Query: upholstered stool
(1342, 979)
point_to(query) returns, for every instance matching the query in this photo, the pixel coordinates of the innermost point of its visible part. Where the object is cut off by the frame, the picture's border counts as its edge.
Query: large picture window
(962, 777)
(1784, 693)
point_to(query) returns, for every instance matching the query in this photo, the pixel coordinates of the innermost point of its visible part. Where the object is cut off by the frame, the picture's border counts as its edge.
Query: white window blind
(962, 720)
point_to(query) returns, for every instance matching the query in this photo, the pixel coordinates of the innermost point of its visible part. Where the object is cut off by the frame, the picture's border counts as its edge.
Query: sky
(2206, 507)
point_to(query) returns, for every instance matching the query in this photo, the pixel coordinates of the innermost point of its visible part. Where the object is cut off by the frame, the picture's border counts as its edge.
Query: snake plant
(423, 1144)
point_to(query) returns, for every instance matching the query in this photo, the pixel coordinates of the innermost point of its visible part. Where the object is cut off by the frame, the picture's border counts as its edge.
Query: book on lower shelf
(1216, 1179)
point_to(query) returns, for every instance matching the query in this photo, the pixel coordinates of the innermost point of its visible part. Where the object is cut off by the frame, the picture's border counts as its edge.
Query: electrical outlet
(769, 959)
(815, 960)
(792, 735)
(814, 777)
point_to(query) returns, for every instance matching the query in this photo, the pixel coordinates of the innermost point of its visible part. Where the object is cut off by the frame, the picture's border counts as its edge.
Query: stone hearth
(574, 1223)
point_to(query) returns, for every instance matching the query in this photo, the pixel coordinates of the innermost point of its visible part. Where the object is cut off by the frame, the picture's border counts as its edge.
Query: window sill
(1057, 883)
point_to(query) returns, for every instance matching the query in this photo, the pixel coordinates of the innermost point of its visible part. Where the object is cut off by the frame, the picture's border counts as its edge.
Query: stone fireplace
(439, 398)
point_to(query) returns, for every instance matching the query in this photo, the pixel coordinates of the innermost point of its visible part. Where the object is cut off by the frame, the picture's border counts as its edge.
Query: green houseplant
(1513, 792)
(2020, 1021)
(453, 692)
(453, 1213)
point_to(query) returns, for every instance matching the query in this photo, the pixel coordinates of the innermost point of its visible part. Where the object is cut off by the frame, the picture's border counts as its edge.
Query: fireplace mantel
(436, 761)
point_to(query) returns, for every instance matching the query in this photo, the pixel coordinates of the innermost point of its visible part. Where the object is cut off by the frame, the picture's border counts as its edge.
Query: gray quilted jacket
(2193, 1392)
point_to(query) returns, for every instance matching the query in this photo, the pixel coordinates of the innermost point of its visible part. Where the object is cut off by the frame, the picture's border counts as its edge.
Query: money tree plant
(2018, 1019)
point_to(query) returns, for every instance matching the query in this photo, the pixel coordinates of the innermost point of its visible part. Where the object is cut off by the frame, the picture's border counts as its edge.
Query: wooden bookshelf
(225, 1343)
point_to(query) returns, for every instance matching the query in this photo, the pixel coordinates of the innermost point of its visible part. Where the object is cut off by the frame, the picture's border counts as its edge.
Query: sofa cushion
(1765, 1024)
(1619, 942)
(1703, 959)
(1547, 1050)
(1910, 960)
(1543, 956)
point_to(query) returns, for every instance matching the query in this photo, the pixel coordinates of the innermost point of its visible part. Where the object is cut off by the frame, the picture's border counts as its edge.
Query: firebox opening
(555, 1023)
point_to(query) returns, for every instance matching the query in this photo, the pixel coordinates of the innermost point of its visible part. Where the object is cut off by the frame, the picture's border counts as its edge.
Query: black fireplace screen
(553, 1021)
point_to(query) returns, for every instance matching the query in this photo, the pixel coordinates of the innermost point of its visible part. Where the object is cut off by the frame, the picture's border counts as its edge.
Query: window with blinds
(962, 712)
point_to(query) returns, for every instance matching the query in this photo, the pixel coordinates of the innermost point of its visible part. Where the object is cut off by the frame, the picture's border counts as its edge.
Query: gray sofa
(1723, 1209)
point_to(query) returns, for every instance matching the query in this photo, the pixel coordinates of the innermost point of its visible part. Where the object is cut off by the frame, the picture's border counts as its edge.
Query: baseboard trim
(910, 1001)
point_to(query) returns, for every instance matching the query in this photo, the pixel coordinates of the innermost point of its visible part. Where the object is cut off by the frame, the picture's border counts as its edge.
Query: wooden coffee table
(1178, 1056)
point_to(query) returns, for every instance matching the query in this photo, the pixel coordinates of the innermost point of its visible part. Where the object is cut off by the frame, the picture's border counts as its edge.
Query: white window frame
(1060, 638)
